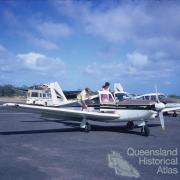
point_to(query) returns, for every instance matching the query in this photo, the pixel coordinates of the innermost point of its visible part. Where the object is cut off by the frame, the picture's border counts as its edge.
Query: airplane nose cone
(159, 106)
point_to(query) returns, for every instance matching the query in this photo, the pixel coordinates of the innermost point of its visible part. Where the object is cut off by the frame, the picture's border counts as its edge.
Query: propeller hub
(159, 106)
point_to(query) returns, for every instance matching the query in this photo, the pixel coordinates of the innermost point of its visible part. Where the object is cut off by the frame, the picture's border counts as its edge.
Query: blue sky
(86, 43)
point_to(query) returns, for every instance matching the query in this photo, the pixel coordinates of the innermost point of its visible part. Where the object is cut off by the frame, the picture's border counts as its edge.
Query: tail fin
(118, 88)
(57, 93)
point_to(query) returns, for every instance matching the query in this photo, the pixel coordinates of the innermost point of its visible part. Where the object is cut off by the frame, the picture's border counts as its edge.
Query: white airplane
(120, 95)
(169, 102)
(108, 110)
(49, 95)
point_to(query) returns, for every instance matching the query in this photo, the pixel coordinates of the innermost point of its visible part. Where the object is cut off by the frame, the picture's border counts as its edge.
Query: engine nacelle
(159, 106)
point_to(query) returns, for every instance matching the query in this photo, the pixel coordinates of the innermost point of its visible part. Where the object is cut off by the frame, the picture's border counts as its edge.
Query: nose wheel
(145, 130)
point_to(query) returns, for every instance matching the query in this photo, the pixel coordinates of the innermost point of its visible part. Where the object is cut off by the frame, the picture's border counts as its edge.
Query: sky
(85, 43)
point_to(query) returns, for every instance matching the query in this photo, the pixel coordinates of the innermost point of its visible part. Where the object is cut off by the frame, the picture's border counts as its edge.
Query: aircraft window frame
(106, 97)
(161, 96)
(146, 98)
(48, 95)
(153, 98)
(34, 94)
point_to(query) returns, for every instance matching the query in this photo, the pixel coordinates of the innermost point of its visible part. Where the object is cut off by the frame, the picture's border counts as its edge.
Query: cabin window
(49, 95)
(161, 97)
(28, 95)
(95, 100)
(146, 97)
(106, 98)
(153, 98)
(34, 94)
(121, 96)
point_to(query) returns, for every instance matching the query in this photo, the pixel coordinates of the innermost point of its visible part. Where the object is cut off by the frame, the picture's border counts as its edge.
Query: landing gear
(130, 125)
(174, 114)
(85, 125)
(145, 130)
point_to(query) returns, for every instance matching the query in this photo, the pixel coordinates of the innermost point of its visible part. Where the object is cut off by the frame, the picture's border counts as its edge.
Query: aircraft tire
(87, 128)
(130, 125)
(145, 131)
(175, 114)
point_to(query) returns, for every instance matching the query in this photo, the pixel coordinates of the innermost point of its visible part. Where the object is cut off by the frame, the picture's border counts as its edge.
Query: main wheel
(87, 128)
(130, 125)
(174, 114)
(145, 131)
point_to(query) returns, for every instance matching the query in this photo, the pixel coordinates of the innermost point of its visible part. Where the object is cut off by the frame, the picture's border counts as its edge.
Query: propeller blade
(157, 94)
(161, 118)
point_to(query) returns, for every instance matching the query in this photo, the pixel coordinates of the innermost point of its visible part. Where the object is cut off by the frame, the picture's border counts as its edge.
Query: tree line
(10, 90)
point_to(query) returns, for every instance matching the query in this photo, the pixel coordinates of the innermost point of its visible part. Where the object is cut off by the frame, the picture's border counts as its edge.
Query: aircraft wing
(171, 109)
(64, 112)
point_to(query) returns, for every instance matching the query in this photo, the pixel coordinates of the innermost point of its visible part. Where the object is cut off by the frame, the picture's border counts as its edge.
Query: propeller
(157, 97)
(161, 118)
(159, 106)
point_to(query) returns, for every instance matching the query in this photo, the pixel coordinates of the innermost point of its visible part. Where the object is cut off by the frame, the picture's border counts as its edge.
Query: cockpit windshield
(106, 97)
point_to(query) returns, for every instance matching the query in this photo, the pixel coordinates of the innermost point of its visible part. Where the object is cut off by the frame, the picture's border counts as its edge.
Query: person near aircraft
(105, 88)
(82, 96)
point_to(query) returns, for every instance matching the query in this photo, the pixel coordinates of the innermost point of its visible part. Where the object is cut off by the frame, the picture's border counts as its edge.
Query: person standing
(105, 88)
(82, 96)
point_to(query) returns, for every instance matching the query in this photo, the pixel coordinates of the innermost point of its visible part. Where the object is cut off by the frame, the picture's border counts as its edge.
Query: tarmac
(36, 147)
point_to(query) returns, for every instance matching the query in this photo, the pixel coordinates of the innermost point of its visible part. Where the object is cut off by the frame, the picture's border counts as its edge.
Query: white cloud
(137, 59)
(54, 30)
(46, 34)
(31, 59)
(138, 24)
(114, 25)
(137, 65)
(33, 65)
(42, 63)
(42, 43)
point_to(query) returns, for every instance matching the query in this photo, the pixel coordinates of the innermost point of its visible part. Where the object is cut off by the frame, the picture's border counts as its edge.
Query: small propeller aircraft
(169, 102)
(107, 110)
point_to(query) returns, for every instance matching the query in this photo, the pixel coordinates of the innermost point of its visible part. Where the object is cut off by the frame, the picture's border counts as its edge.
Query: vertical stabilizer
(57, 93)
(118, 88)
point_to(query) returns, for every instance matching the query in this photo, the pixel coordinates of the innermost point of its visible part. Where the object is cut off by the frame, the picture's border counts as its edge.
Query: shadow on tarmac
(74, 127)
